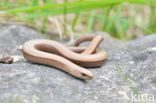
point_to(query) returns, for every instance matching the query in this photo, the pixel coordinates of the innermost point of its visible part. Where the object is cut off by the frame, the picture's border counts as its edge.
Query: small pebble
(6, 59)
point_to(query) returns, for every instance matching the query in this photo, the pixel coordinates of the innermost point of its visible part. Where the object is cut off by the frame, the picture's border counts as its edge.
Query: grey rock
(129, 70)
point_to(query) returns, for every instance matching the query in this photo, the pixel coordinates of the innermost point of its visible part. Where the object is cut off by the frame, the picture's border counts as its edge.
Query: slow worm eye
(87, 76)
(83, 74)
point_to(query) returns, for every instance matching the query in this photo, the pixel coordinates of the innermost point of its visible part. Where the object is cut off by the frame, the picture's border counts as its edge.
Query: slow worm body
(69, 59)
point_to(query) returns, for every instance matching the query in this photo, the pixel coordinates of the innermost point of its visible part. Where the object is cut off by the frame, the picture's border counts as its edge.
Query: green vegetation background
(123, 19)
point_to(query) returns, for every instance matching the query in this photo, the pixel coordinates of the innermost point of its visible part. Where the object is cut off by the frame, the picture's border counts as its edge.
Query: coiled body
(69, 59)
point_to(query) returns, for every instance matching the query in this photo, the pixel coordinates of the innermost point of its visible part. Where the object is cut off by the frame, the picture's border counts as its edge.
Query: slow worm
(69, 59)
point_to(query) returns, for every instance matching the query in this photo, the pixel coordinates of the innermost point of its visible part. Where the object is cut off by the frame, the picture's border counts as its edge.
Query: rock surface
(129, 70)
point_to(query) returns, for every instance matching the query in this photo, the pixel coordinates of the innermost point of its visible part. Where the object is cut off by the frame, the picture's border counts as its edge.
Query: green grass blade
(81, 4)
(115, 18)
(75, 21)
(65, 17)
(44, 25)
(35, 2)
(91, 22)
(77, 15)
(106, 18)
(69, 4)
(49, 1)
(58, 11)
